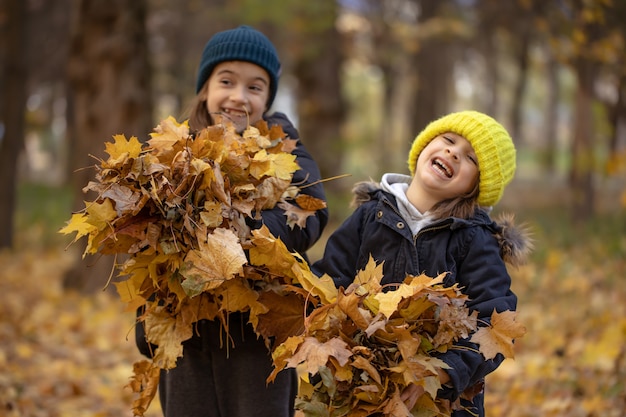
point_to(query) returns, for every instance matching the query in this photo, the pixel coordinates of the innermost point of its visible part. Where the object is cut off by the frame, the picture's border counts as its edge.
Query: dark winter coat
(296, 239)
(473, 253)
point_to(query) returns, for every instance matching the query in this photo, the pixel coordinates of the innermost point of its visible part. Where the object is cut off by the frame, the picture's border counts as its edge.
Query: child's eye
(448, 139)
(473, 159)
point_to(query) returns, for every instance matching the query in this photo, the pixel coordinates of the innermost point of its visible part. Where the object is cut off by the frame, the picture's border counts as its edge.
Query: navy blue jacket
(296, 239)
(471, 251)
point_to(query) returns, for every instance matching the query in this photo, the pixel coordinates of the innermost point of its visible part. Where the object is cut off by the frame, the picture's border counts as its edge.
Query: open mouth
(231, 113)
(442, 167)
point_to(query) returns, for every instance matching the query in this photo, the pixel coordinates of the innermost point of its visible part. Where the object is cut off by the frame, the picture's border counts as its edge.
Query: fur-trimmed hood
(515, 241)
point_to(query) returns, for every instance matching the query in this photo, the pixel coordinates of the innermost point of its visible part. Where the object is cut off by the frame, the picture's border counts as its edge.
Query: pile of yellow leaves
(176, 208)
(372, 351)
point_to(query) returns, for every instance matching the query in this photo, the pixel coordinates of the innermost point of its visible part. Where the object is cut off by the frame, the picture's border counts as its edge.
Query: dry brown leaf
(498, 337)
(285, 318)
(314, 354)
(310, 203)
(217, 260)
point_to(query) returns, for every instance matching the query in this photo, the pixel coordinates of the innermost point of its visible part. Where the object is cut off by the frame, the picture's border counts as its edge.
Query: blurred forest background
(360, 79)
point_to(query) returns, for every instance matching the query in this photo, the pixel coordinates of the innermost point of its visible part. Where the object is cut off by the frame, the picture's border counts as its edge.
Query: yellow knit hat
(492, 143)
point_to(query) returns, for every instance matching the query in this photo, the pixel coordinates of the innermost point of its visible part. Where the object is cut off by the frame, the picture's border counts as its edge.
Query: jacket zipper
(430, 229)
(424, 230)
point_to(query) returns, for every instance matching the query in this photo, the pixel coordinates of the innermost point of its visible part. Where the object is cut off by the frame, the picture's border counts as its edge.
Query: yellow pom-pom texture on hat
(492, 144)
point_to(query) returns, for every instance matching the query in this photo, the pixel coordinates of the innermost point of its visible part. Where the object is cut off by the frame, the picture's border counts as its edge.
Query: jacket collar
(515, 241)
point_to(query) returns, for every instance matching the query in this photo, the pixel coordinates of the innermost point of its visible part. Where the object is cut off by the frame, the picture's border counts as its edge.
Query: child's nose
(239, 95)
(452, 151)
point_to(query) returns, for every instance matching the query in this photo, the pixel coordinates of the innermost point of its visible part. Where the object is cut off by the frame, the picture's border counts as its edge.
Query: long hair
(199, 117)
(462, 207)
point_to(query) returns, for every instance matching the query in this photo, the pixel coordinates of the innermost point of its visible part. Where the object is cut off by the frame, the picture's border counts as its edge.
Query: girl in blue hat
(238, 80)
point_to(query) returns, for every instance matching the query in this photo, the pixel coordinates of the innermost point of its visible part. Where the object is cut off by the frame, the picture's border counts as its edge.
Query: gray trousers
(211, 380)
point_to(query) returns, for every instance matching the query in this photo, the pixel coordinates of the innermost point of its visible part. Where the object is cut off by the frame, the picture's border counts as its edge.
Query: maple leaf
(101, 214)
(499, 335)
(151, 165)
(211, 215)
(198, 308)
(407, 343)
(349, 304)
(424, 281)
(282, 352)
(295, 215)
(126, 199)
(171, 126)
(321, 287)
(237, 295)
(315, 354)
(167, 139)
(284, 317)
(218, 185)
(269, 193)
(122, 149)
(130, 294)
(370, 276)
(145, 382)
(310, 203)
(284, 165)
(96, 218)
(168, 333)
(218, 259)
(364, 364)
(79, 224)
(198, 166)
(455, 322)
(388, 301)
(281, 166)
(271, 251)
(395, 407)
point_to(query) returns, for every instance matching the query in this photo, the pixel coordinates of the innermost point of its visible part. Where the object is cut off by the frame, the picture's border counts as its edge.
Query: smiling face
(446, 168)
(238, 91)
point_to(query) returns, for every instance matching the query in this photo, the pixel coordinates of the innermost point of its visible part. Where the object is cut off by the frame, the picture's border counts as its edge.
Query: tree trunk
(552, 115)
(392, 62)
(109, 78)
(617, 142)
(492, 104)
(12, 106)
(581, 174)
(520, 84)
(434, 64)
(320, 104)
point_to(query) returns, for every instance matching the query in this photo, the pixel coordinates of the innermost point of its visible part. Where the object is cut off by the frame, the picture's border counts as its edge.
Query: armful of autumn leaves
(176, 209)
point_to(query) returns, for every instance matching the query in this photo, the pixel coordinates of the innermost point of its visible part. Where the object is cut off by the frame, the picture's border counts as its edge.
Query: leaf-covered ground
(65, 354)
(62, 354)
(572, 360)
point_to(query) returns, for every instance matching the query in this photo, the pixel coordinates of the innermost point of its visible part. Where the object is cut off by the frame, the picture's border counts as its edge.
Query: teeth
(444, 168)
(234, 113)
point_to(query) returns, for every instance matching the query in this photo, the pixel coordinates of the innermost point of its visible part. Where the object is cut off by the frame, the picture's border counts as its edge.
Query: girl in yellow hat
(437, 220)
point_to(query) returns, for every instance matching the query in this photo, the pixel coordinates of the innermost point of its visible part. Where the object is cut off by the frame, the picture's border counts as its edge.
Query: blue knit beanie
(241, 44)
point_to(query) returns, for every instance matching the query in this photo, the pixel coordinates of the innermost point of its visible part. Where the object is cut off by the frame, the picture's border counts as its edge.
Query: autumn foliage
(176, 208)
(175, 211)
(374, 352)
